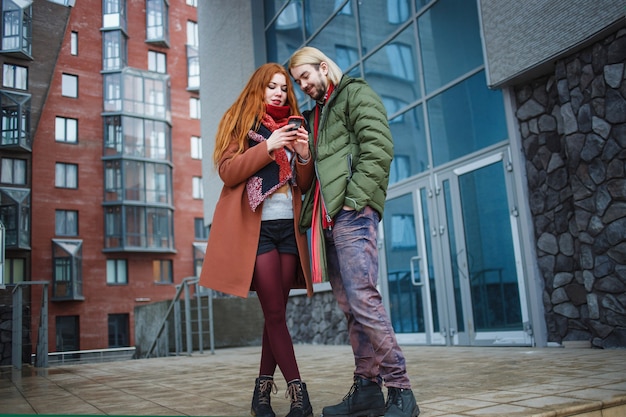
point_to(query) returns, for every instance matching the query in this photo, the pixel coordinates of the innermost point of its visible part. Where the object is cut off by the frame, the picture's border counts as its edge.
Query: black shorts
(277, 234)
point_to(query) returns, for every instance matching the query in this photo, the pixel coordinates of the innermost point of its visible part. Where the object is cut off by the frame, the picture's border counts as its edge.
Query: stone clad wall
(317, 320)
(573, 130)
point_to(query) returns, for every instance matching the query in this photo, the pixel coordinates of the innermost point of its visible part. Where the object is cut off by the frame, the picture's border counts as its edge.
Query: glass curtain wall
(424, 59)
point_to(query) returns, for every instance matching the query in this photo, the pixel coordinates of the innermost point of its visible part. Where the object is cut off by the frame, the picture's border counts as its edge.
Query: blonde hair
(248, 110)
(313, 56)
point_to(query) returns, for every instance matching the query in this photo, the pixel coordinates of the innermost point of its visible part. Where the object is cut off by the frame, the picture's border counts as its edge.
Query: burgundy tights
(274, 273)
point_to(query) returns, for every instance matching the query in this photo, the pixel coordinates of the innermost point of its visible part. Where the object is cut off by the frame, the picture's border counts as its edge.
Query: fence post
(16, 343)
(42, 338)
(188, 318)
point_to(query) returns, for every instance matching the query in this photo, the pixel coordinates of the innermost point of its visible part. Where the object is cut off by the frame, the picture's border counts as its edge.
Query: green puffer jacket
(354, 150)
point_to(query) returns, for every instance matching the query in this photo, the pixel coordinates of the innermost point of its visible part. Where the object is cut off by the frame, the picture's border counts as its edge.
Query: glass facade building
(450, 258)
(492, 234)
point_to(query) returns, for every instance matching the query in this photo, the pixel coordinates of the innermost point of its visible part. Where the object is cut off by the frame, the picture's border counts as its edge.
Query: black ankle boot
(401, 403)
(261, 405)
(300, 403)
(365, 398)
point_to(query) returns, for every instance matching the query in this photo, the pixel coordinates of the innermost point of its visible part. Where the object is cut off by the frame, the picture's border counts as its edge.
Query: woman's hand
(281, 138)
(294, 140)
(301, 144)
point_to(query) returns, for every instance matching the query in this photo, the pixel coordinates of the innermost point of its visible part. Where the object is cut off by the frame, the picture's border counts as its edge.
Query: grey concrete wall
(231, 48)
(520, 37)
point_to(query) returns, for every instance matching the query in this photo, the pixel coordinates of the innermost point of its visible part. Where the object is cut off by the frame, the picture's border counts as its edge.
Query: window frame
(69, 85)
(20, 169)
(69, 225)
(14, 76)
(117, 269)
(69, 133)
(64, 183)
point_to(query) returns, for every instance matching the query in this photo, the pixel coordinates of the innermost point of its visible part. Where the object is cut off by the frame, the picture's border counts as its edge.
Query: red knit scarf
(321, 220)
(275, 174)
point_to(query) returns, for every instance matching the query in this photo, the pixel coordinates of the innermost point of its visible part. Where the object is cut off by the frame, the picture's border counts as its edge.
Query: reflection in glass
(409, 142)
(466, 118)
(339, 36)
(489, 242)
(379, 19)
(392, 71)
(405, 300)
(285, 34)
(450, 43)
(319, 11)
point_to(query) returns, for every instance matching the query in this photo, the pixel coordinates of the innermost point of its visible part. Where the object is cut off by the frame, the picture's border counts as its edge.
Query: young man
(352, 147)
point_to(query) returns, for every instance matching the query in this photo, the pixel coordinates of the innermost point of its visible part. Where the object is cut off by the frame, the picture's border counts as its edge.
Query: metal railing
(184, 289)
(89, 356)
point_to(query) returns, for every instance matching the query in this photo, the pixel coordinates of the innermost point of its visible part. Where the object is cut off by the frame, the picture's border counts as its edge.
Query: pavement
(447, 381)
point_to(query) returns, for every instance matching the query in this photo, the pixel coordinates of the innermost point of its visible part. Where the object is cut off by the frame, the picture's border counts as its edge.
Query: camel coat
(234, 236)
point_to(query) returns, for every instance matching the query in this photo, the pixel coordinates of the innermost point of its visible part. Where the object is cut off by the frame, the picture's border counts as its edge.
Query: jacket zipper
(328, 219)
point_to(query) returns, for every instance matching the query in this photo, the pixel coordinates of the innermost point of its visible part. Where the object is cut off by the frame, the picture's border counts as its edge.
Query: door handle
(414, 280)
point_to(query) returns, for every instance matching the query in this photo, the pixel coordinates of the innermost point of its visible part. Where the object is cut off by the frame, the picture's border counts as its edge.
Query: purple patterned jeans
(352, 258)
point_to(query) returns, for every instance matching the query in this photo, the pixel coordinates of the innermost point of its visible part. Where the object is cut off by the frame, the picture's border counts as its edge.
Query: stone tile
(447, 381)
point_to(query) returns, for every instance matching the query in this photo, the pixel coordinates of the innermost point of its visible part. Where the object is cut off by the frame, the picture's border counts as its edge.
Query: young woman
(254, 243)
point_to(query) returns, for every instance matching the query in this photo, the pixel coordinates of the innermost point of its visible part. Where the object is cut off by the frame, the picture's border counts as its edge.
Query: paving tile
(447, 381)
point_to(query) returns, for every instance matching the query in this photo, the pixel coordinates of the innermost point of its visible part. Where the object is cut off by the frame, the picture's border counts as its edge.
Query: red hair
(248, 110)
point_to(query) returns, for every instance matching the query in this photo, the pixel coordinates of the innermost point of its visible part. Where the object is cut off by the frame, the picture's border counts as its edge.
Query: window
(192, 34)
(346, 9)
(114, 14)
(401, 57)
(137, 137)
(16, 120)
(194, 108)
(131, 227)
(74, 43)
(14, 271)
(17, 27)
(113, 50)
(67, 333)
(201, 232)
(66, 175)
(157, 20)
(402, 231)
(193, 3)
(15, 76)
(69, 86)
(66, 222)
(135, 92)
(157, 62)
(67, 272)
(117, 271)
(13, 171)
(162, 271)
(197, 191)
(199, 249)
(398, 11)
(346, 56)
(118, 331)
(196, 147)
(193, 68)
(66, 130)
(15, 215)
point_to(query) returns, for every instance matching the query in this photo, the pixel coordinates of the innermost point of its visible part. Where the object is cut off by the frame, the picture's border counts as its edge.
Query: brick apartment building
(101, 161)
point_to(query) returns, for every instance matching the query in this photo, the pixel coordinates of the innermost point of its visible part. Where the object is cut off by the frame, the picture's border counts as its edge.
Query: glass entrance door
(410, 290)
(452, 259)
